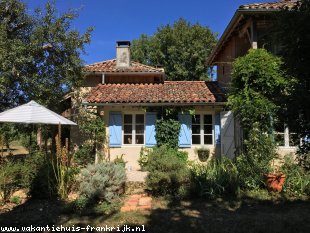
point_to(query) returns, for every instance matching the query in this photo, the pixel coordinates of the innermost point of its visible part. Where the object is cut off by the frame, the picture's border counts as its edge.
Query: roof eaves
(235, 19)
(85, 103)
(124, 72)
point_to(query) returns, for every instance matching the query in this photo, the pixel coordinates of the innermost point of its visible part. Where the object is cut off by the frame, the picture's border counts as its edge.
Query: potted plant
(203, 153)
(274, 180)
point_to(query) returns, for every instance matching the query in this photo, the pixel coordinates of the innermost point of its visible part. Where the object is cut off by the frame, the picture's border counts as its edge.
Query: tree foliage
(293, 33)
(181, 48)
(258, 85)
(39, 54)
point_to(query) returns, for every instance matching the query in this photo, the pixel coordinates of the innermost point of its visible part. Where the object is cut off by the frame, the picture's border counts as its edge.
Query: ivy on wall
(167, 132)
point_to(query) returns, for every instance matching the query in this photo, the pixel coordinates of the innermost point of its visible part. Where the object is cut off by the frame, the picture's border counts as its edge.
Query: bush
(297, 178)
(30, 168)
(260, 150)
(9, 179)
(167, 132)
(143, 159)
(183, 155)
(120, 160)
(103, 181)
(84, 155)
(87, 206)
(218, 177)
(42, 180)
(168, 173)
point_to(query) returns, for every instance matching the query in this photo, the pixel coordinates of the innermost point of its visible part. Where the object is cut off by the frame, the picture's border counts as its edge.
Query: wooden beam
(244, 28)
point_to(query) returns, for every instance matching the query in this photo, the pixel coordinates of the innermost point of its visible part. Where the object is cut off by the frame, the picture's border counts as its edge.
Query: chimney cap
(123, 43)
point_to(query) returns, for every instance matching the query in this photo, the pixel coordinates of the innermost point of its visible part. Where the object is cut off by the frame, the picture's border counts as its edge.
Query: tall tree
(15, 27)
(181, 48)
(39, 54)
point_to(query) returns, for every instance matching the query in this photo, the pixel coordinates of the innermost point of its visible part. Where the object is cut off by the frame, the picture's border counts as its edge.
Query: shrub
(9, 179)
(183, 155)
(39, 175)
(143, 159)
(120, 160)
(31, 166)
(297, 178)
(260, 150)
(84, 155)
(168, 173)
(42, 180)
(103, 181)
(81, 204)
(167, 132)
(218, 177)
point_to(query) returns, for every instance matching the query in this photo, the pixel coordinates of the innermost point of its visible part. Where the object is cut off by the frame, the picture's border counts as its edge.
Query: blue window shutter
(115, 129)
(185, 136)
(150, 129)
(217, 129)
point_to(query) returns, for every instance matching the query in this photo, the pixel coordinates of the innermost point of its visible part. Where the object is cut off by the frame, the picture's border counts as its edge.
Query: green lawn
(250, 214)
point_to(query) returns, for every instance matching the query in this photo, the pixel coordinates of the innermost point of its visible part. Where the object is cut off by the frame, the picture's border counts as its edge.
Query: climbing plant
(258, 85)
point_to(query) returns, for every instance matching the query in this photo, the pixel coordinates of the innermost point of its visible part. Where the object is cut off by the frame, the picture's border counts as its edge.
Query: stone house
(129, 95)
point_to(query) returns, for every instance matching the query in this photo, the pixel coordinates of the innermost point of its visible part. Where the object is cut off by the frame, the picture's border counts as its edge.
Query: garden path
(136, 202)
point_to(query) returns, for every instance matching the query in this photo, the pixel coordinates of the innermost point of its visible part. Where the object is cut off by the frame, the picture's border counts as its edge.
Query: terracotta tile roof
(167, 92)
(110, 66)
(279, 5)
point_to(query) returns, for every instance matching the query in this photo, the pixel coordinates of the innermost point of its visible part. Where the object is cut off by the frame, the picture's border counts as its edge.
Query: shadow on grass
(32, 212)
(195, 215)
(245, 215)
(40, 213)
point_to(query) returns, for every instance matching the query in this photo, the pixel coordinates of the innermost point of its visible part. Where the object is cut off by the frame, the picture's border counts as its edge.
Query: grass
(255, 212)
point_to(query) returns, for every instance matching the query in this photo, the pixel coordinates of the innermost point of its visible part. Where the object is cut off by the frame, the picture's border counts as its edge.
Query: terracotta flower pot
(274, 181)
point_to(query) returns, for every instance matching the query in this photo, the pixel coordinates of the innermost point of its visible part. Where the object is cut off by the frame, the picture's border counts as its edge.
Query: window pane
(279, 139)
(128, 129)
(196, 119)
(139, 139)
(140, 119)
(139, 129)
(127, 139)
(196, 129)
(127, 119)
(207, 129)
(196, 139)
(278, 126)
(294, 140)
(208, 139)
(208, 119)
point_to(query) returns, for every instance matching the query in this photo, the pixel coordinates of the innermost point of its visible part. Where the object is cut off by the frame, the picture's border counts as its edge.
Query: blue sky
(128, 19)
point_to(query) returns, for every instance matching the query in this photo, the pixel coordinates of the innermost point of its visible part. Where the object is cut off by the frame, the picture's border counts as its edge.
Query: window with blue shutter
(150, 129)
(217, 129)
(185, 136)
(115, 129)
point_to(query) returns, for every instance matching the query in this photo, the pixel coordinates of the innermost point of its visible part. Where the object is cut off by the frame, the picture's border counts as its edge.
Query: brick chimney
(123, 54)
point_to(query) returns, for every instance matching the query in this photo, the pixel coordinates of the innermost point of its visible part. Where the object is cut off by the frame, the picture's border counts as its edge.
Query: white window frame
(286, 137)
(202, 133)
(133, 114)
